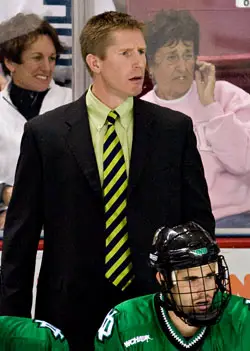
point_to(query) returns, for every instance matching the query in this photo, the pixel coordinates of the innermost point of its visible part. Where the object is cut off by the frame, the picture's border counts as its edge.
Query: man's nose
(199, 287)
(139, 61)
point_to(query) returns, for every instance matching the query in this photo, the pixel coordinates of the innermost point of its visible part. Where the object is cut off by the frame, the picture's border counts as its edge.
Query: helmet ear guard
(184, 247)
(174, 278)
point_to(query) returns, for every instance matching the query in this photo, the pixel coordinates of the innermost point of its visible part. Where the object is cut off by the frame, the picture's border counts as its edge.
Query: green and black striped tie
(115, 182)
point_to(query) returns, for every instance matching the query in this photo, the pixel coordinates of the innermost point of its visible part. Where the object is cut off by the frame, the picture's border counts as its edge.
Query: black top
(28, 102)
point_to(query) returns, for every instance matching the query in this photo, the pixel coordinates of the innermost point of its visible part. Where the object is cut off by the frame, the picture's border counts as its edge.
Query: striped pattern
(115, 182)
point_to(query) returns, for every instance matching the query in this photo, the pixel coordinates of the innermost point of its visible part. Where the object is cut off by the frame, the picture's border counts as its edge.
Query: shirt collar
(161, 101)
(98, 111)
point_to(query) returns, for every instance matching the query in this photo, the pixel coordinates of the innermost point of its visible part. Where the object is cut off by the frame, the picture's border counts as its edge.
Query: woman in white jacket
(29, 49)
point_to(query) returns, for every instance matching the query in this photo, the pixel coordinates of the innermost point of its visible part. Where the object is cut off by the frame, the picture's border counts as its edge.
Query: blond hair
(95, 36)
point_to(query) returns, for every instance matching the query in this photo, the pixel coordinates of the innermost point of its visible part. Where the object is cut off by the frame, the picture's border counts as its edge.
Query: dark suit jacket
(57, 186)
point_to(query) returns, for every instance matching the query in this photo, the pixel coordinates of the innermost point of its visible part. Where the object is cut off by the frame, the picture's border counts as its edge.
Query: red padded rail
(240, 242)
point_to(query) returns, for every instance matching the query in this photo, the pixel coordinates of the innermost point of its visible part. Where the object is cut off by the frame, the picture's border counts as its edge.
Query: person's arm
(6, 192)
(2, 219)
(196, 204)
(3, 82)
(243, 323)
(26, 334)
(56, 339)
(229, 133)
(107, 337)
(2, 185)
(5, 196)
(227, 117)
(22, 230)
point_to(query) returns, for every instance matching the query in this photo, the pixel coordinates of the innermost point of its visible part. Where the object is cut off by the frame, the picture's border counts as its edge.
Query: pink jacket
(223, 138)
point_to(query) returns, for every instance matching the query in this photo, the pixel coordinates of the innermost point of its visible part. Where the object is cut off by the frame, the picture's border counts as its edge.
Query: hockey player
(24, 334)
(194, 310)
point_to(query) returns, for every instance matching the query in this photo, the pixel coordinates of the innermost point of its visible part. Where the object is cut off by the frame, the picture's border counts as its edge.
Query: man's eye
(192, 279)
(142, 52)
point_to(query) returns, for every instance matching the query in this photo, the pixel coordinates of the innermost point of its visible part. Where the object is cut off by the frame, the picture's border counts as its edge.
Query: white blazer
(12, 125)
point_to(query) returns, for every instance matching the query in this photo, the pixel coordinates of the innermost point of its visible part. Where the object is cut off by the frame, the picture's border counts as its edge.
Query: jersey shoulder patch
(57, 334)
(107, 327)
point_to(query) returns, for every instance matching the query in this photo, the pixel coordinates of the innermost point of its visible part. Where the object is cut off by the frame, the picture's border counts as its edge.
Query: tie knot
(112, 117)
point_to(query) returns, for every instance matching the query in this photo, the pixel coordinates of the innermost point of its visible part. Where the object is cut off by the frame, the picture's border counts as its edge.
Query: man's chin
(136, 92)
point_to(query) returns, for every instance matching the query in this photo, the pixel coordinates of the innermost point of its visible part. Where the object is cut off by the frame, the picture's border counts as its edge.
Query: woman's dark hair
(169, 27)
(19, 32)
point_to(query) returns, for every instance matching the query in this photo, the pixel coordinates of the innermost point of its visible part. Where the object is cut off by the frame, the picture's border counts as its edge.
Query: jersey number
(55, 331)
(107, 326)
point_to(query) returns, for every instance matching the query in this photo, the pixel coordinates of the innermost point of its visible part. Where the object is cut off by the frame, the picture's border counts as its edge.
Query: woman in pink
(219, 110)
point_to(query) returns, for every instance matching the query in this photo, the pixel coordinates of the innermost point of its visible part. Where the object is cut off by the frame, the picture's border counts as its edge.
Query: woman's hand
(205, 80)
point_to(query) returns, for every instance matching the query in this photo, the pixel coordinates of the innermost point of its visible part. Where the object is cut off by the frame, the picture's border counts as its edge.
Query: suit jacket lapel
(80, 142)
(143, 126)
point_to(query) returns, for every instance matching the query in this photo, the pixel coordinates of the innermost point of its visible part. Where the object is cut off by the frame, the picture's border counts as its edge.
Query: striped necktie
(118, 265)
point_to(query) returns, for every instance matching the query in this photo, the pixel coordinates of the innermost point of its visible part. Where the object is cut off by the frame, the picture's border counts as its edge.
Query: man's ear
(94, 63)
(10, 65)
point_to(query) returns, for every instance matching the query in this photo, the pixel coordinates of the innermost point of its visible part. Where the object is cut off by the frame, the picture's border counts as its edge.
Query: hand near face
(205, 80)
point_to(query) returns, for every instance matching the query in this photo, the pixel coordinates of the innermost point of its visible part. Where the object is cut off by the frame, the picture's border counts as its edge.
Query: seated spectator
(24, 334)
(220, 111)
(29, 49)
(194, 308)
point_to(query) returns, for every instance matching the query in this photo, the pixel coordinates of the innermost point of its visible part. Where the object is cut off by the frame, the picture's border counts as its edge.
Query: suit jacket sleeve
(196, 201)
(22, 231)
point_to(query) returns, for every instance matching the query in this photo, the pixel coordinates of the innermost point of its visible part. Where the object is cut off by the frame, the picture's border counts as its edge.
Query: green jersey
(141, 324)
(24, 334)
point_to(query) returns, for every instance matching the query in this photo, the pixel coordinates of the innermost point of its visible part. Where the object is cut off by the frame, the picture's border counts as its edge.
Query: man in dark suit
(70, 162)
